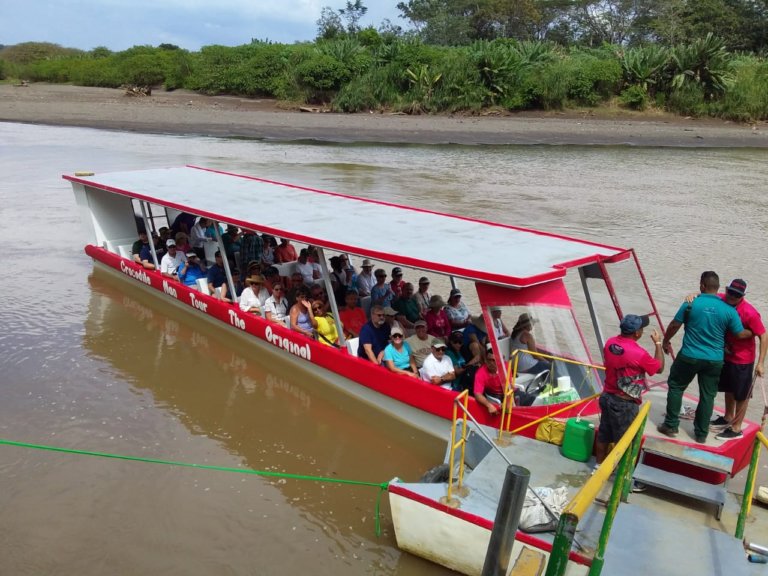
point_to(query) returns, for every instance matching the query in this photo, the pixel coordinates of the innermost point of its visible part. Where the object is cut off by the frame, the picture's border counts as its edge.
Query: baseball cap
(419, 323)
(389, 311)
(397, 271)
(437, 343)
(423, 280)
(631, 323)
(170, 243)
(455, 292)
(737, 287)
(191, 255)
(396, 330)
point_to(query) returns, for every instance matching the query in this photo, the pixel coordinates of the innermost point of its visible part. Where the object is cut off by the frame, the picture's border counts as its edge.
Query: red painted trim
(558, 270)
(479, 521)
(426, 397)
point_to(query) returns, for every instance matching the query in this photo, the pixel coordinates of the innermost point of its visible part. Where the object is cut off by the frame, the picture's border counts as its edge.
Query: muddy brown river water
(93, 363)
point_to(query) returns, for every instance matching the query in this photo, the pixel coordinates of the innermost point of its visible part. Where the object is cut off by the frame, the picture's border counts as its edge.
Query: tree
(353, 12)
(334, 23)
(329, 25)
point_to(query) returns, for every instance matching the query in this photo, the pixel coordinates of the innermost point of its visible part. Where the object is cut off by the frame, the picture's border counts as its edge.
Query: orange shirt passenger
(285, 252)
(352, 316)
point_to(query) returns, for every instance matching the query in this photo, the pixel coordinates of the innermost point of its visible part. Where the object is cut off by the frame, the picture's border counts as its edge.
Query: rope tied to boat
(382, 486)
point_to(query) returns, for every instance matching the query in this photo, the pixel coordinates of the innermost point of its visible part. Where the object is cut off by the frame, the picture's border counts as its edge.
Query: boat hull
(451, 537)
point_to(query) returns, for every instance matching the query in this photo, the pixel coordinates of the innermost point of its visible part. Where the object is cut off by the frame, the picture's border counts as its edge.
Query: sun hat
(436, 300)
(367, 263)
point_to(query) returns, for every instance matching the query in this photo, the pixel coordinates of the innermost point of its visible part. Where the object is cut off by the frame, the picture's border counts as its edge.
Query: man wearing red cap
(736, 379)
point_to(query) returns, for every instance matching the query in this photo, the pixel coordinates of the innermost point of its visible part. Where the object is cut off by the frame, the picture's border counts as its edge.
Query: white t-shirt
(279, 310)
(307, 269)
(171, 264)
(434, 367)
(364, 284)
(197, 236)
(249, 300)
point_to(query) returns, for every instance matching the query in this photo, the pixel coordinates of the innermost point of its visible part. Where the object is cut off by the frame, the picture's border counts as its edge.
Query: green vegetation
(702, 57)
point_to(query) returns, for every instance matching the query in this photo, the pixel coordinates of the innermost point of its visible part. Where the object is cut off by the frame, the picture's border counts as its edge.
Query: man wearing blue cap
(707, 320)
(626, 365)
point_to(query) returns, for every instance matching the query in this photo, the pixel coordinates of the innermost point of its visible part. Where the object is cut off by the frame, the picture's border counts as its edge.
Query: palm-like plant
(705, 62)
(644, 66)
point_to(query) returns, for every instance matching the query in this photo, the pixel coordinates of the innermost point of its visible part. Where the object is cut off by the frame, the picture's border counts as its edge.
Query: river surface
(92, 363)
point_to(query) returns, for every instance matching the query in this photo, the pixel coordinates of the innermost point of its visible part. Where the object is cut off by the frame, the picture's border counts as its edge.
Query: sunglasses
(396, 336)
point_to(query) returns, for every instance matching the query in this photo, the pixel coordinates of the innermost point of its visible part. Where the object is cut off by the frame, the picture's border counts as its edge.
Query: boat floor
(652, 528)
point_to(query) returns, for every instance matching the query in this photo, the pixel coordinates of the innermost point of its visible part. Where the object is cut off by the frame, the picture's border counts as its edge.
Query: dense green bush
(594, 77)
(747, 98)
(369, 70)
(688, 100)
(634, 97)
(320, 77)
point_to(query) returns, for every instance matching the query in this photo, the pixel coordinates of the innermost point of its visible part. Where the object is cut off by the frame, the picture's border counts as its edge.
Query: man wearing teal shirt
(706, 321)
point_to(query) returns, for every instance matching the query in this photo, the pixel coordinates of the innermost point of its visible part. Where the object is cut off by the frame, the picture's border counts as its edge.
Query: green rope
(382, 486)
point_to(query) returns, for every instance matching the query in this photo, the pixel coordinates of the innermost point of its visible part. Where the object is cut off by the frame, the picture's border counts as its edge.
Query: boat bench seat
(352, 346)
(125, 251)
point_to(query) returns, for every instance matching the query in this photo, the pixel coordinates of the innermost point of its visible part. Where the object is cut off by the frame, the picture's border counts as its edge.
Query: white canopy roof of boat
(448, 244)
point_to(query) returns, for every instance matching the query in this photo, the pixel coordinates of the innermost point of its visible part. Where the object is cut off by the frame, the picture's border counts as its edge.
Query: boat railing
(749, 487)
(460, 402)
(623, 455)
(507, 404)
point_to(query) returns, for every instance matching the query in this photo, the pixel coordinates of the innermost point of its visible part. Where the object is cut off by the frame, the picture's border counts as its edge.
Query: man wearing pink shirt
(626, 365)
(736, 379)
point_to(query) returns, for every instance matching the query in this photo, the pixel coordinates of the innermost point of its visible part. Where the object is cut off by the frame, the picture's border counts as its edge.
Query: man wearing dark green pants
(706, 321)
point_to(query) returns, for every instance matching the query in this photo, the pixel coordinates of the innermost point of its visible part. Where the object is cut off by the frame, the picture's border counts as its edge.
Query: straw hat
(257, 279)
(479, 323)
(523, 320)
(436, 301)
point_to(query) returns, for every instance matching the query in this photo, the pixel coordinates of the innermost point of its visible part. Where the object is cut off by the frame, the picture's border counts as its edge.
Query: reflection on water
(93, 363)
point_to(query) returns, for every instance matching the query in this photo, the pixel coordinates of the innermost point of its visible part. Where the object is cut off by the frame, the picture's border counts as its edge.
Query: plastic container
(564, 383)
(578, 439)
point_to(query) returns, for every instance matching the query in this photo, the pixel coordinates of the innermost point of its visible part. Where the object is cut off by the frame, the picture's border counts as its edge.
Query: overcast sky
(120, 24)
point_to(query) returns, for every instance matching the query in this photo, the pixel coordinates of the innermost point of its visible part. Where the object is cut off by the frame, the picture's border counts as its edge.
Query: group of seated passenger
(410, 331)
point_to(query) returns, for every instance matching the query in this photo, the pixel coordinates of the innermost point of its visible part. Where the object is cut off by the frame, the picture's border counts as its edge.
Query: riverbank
(183, 112)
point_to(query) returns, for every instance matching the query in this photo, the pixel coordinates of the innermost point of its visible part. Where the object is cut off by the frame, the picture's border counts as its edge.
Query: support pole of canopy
(147, 228)
(507, 520)
(331, 297)
(453, 282)
(227, 271)
(591, 305)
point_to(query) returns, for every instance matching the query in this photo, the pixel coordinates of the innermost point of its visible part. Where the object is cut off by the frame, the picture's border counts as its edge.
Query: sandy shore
(183, 112)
